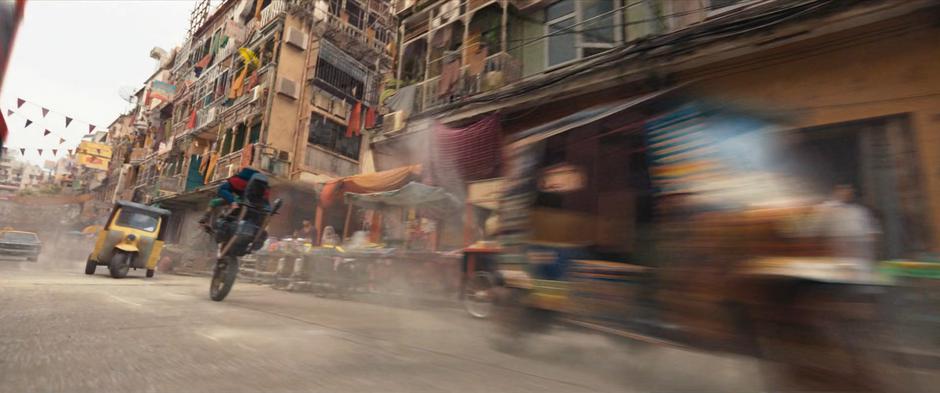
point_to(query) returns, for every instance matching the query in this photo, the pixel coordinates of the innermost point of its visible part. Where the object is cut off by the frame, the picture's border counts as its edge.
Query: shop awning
(389, 180)
(411, 195)
(582, 118)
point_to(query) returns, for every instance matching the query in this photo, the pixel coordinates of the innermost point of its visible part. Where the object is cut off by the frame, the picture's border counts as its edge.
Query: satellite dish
(127, 93)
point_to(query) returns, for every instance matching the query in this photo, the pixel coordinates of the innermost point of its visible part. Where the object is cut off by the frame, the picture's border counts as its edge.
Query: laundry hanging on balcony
(203, 64)
(247, 155)
(370, 117)
(238, 84)
(192, 120)
(194, 179)
(249, 57)
(450, 74)
(213, 162)
(355, 123)
(476, 55)
(403, 100)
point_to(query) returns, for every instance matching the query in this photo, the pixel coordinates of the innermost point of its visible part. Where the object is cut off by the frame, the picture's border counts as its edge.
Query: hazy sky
(72, 56)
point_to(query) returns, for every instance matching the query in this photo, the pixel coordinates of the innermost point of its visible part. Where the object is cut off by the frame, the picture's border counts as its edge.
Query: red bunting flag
(22, 151)
(68, 120)
(46, 132)
(54, 151)
(45, 112)
(61, 140)
(9, 112)
(40, 151)
(20, 102)
(91, 128)
(28, 122)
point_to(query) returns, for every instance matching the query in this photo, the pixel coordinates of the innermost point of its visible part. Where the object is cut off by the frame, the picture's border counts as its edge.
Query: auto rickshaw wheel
(478, 296)
(149, 273)
(119, 265)
(90, 266)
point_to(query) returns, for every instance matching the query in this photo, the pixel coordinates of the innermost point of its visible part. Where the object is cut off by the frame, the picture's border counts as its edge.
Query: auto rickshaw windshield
(137, 220)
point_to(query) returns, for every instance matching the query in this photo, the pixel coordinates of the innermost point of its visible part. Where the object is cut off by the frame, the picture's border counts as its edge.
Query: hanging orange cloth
(238, 84)
(192, 120)
(252, 80)
(370, 117)
(258, 5)
(210, 169)
(247, 154)
(354, 120)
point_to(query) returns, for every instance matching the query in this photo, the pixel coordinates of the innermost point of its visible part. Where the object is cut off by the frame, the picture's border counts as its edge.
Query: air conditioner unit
(287, 87)
(296, 37)
(322, 101)
(256, 93)
(340, 109)
(393, 122)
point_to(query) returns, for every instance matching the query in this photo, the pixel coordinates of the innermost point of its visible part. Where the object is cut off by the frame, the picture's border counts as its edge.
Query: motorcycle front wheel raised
(223, 278)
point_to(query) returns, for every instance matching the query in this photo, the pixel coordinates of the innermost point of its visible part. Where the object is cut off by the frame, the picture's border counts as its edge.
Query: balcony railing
(499, 70)
(169, 185)
(138, 154)
(272, 11)
(227, 166)
(361, 44)
(321, 160)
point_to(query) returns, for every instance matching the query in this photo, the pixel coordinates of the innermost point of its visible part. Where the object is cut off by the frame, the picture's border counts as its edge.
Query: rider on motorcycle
(232, 190)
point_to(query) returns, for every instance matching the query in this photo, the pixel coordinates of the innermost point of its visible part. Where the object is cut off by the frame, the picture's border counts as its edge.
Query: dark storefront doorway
(878, 158)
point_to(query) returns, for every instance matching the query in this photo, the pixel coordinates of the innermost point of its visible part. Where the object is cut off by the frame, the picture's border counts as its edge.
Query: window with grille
(331, 136)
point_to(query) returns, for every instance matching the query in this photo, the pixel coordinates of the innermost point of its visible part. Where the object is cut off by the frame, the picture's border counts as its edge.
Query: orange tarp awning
(391, 179)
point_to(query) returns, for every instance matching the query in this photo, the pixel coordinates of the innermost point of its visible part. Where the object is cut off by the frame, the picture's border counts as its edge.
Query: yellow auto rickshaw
(131, 238)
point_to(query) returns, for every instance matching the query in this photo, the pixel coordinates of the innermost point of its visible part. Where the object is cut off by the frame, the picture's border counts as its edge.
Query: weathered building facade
(850, 78)
(284, 86)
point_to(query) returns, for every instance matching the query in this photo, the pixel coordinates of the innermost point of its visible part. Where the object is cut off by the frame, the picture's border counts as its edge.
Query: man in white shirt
(850, 228)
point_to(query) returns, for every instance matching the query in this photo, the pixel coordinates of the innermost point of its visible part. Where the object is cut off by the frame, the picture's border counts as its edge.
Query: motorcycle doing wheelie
(239, 232)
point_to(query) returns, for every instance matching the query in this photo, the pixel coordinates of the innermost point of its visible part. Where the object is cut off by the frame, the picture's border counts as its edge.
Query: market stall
(418, 263)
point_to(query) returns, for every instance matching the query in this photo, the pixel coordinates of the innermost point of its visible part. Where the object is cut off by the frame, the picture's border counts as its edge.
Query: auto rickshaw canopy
(135, 207)
(142, 207)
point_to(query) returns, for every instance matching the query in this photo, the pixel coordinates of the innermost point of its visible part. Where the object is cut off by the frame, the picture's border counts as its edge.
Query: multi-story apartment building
(849, 77)
(284, 86)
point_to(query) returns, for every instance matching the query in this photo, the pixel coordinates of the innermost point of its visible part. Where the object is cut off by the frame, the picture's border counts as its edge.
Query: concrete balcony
(169, 185)
(227, 167)
(320, 160)
(273, 11)
(361, 44)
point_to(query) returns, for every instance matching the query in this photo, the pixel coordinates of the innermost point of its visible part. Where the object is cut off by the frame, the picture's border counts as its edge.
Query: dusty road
(63, 331)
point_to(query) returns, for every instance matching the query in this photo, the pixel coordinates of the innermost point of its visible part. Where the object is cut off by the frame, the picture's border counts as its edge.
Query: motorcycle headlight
(131, 237)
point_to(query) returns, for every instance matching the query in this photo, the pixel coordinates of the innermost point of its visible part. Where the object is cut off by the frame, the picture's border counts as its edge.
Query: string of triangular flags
(45, 112)
(22, 150)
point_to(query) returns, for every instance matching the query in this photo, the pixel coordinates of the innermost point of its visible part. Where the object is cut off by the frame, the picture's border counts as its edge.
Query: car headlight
(131, 237)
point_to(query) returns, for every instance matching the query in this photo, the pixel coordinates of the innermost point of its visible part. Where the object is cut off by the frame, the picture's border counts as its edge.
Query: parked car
(20, 244)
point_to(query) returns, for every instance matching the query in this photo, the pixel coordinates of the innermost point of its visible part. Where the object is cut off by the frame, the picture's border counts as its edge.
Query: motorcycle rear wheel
(223, 278)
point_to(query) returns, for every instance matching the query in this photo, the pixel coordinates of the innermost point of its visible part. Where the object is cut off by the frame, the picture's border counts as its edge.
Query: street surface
(63, 331)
